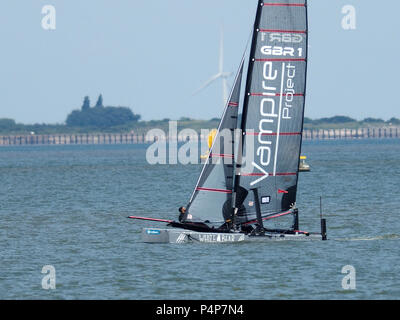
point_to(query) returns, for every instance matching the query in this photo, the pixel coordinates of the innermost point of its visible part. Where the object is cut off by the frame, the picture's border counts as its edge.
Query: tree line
(344, 119)
(108, 119)
(88, 118)
(100, 116)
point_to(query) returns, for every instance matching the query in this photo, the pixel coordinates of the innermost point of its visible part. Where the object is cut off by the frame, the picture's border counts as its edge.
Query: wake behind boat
(249, 179)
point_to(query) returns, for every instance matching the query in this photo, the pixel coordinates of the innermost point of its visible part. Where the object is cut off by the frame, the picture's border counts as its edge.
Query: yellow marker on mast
(210, 140)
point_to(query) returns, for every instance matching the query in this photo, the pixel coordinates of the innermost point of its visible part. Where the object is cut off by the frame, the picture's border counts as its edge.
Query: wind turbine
(221, 74)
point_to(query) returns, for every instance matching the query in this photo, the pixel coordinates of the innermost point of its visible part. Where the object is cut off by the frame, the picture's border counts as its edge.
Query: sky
(152, 55)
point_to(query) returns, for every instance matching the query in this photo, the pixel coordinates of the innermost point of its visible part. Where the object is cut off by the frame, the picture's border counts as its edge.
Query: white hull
(156, 235)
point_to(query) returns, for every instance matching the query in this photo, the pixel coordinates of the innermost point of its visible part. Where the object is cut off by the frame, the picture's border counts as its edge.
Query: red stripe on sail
(276, 94)
(213, 190)
(273, 134)
(270, 174)
(270, 217)
(283, 31)
(281, 59)
(221, 155)
(233, 104)
(282, 191)
(284, 4)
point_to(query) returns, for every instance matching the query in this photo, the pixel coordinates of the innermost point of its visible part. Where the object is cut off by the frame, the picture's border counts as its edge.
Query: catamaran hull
(155, 235)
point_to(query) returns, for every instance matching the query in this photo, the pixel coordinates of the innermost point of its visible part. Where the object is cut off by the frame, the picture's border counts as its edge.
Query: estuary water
(67, 206)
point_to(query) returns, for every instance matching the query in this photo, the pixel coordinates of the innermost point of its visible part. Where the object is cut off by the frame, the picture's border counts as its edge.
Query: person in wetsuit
(182, 211)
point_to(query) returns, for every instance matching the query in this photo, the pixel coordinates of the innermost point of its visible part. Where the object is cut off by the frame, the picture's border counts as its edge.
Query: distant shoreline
(132, 138)
(142, 127)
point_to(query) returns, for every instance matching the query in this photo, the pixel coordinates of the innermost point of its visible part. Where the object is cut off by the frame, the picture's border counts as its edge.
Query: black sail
(211, 199)
(273, 109)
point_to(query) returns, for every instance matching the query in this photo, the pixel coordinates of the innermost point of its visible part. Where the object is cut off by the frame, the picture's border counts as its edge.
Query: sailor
(182, 211)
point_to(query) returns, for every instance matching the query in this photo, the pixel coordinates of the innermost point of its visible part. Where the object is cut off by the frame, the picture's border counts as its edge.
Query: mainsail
(273, 110)
(211, 200)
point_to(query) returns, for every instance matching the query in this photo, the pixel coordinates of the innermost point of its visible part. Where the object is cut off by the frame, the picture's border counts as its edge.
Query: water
(66, 206)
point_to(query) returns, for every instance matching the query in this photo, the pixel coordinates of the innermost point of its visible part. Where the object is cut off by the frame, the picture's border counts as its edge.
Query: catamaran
(250, 177)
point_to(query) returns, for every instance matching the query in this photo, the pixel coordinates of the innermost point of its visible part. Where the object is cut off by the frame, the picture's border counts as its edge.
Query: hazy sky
(151, 56)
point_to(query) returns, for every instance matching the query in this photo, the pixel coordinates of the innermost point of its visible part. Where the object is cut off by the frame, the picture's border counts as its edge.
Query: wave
(383, 237)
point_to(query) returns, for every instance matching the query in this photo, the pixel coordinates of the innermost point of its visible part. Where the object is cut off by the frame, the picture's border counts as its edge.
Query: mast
(238, 200)
(251, 66)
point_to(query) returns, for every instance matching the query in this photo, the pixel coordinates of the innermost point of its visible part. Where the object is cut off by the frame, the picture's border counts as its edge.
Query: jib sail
(273, 109)
(211, 200)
